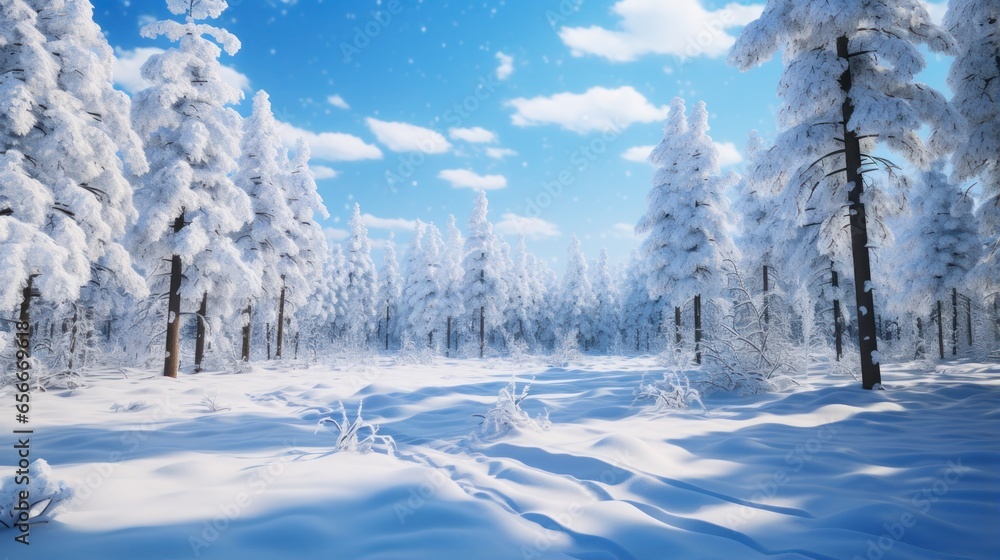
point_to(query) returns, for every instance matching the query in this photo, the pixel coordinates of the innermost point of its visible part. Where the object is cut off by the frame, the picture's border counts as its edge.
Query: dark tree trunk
(940, 321)
(72, 338)
(767, 311)
(637, 339)
(268, 335)
(968, 320)
(838, 323)
(430, 339)
(199, 339)
(697, 329)
(108, 338)
(677, 327)
(245, 351)
(172, 359)
(296, 357)
(954, 321)
(871, 372)
(447, 352)
(387, 326)
(281, 319)
(920, 339)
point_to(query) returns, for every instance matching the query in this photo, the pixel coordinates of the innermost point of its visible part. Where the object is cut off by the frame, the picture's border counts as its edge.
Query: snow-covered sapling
(351, 437)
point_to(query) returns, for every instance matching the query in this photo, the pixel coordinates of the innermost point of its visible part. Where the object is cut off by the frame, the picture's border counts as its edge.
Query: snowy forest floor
(822, 470)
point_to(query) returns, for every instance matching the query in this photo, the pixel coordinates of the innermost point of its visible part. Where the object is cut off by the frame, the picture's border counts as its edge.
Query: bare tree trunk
(281, 319)
(954, 321)
(199, 339)
(697, 329)
(767, 311)
(245, 351)
(172, 358)
(838, 323)
(447, 352)
(387, 326)
(268, 333)
(968, 320)
(72, 338)
(871, 372)
(920, 339)
(482, 330)
(940, 322)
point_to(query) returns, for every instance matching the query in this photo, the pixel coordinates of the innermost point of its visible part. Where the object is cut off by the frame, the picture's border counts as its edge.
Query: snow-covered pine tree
(483, 289)
(451, 281)
(64, 200)
(520, 310)
(687, 216)
(607, 297)
(264, 241)
(939, 245)
(423, 288)
(639, 315)
(303, 271)
(577, 303)
(390, 290)
(413, 262)
(359, 293)
(975, 79)
(188, 202)
(847, 87)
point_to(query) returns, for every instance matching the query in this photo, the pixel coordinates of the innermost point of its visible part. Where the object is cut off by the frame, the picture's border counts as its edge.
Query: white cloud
(375, 222)
(729, 154)
(475, 135)
(323, 172)
(331, 146)
(506, 67)
(337, 101)
(463, 178)
(598, 108)
(500, 153)
(683, 28)
(936, 10)
(638, 154)
(625, 230)
(512, 224)
(336, 235)
(405, 137)
(128, 64)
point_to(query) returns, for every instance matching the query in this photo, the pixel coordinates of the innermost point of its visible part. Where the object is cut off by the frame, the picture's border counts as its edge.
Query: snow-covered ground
(823, 470)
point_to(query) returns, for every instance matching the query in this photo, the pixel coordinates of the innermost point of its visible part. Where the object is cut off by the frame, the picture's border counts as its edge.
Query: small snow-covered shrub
(46, 498)
(567, 350)
(507, 414)
(212, 403)
(413, 354)
(132, 406)
(672, 392)
(352, 437)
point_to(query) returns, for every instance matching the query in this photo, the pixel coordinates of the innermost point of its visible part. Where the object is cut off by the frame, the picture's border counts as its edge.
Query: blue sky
(412, 105)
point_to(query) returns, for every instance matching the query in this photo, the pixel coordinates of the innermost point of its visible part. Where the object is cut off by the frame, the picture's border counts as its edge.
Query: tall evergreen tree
(65, 202)
(484, 291)
(848, 85)
(451, 282)
(390, 290)
(359, 292)
(577, 304)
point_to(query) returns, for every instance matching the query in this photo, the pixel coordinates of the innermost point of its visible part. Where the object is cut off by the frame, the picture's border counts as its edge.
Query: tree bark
(172, 359)
(387, 326)
(199, 339)
(871, 372)
(838, 323)
(767, 310)
(281, 319)
(697, 329)
(72, 338)
(677, 328)
(954, 321)
(268, 334)
(968, 320)
(447, 351)
(482, 330)
(245, 351)
(940, 322)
